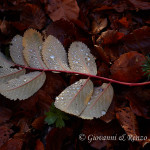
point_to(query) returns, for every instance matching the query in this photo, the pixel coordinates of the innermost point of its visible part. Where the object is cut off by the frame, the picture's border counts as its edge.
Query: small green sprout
(146, 67)
(56, 116)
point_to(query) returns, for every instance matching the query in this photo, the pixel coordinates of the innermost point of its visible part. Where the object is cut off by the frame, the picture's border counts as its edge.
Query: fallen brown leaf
(110, 37)
(128, 67)
(33, 16)
(66, 9)
(128, 121)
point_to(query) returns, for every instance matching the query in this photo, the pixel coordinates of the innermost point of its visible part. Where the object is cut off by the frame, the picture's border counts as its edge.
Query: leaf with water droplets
(99, 103)
(32, 42)
(54, 54)
(75, 97)
(4, 62)
(23, 87)
(80, 59)
(7, 74)
(16, 50)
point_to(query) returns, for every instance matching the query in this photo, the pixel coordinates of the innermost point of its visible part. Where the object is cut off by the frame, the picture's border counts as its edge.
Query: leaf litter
(128, 28)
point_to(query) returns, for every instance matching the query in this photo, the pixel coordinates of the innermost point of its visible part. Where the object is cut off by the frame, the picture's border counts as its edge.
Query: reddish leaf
(19, 26)
(56, 138)
(38, 123)
(23, 125)
(33, 16)
(114, 51)
(54, 84)
(98, 24)
(39, 145)
(128, 121)
(64, 30)
(5, 133)
(44, 102)
(110, 37)
(138, 40)
(102, 54)
(124, 22)
(5, 114)
(128, 67)
(110, 115)
(140, 4)
(139, 101)
(67, 9)
(28, 107)
(13, 144)
(98, 128)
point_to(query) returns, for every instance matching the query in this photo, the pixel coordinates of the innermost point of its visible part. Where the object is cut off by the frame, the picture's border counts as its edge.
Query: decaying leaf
(128, 121)
(5, 114)
(13, 144)
(128, 67)
(5, 133)
(7, 74)
(54, 54)
(32, 41)
(98, 24)
(67, 9)
(140, 4)
(138, 40)
(75, 99)
(110, 37)
(33, 16)
(16, 50)
(80, 59)
(24, 86)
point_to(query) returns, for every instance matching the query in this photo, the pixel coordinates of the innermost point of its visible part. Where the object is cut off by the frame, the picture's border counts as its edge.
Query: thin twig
(90, 75)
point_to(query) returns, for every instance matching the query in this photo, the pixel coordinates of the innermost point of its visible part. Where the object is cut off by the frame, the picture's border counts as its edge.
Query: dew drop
(101, 90)
(52, 56)
(57, 98)
(103, 112)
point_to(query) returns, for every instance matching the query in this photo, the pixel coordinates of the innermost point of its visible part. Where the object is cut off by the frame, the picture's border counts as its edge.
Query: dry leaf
(13, 144)
(128, 121)
(98, 24)
(128, 67)
(140, 4)
(5, 114)
(67, 9)
(33, 16)
(5, 133)
(110, 37)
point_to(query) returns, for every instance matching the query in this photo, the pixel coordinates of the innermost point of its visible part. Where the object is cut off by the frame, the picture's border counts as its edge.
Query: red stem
(90, 75)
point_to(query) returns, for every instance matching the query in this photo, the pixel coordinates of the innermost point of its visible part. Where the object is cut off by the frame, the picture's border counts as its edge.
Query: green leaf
(51, 118)
(60, 123)
(146, 67)
(56, 116)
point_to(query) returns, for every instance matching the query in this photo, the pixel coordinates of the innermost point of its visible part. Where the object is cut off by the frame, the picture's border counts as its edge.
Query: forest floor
(118, 35)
